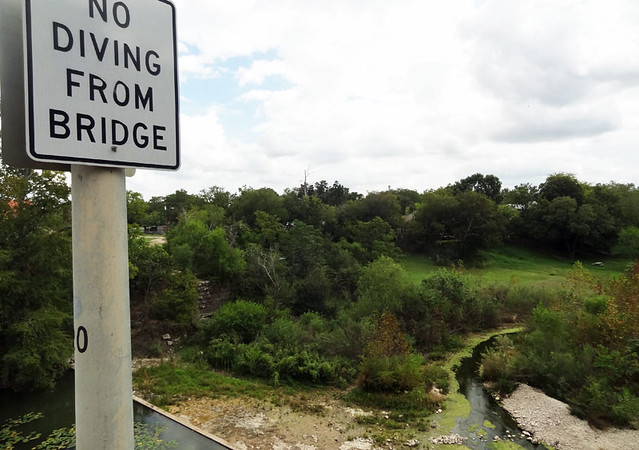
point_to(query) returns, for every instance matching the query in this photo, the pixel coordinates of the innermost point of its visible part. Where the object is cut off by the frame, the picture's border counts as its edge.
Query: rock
(450, 439)
(435, 395)
(166, 336)
(412, 443)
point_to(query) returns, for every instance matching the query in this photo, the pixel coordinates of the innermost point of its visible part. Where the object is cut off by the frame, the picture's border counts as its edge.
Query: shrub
(396, 373)
(252, 359)
(497, 364)
(221, 353)
(435, 375)
(239, 320)
(178, 301)
(626, 409)
(596, 305)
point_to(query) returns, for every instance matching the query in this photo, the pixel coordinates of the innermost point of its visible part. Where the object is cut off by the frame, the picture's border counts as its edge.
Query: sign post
(103, 390)
(92, 85)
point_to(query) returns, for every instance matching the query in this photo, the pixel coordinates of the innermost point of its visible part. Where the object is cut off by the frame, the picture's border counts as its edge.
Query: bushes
(238, 339)
(241, 321)
(397, 373)
(447, 303)
(264, 360)
(563, 351)
(178, 301)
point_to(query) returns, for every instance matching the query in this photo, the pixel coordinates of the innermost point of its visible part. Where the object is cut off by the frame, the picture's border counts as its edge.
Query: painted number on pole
(82, 339)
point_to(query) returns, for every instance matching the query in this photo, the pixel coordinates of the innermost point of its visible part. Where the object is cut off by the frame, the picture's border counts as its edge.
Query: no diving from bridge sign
(101, 82)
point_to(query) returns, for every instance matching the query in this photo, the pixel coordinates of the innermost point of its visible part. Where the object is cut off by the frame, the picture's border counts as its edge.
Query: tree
(36, 319)
(308, 209)
(487, 185)
(303, 248)
(562, 185)
(334, 195)
(457, 227)
(407, 199)
(382, 287)
(337, 195)
(149, 266)
(216, 195)
(264, 275)
(384, 205)
(628, 243)
(521, 196)
(375, 238)
(204, 251)
(177, 203)
(136, 209)
(244, 206)
(584, 219)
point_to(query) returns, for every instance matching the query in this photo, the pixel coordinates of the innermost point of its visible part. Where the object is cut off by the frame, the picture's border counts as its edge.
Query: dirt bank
(550, 421)
(318, 423)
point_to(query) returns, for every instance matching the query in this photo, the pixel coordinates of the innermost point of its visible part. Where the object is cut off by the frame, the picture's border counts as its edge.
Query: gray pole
(103, 388)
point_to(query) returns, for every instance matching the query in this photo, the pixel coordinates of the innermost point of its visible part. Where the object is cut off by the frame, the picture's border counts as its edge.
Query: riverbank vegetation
(320, 286)
(580, 348)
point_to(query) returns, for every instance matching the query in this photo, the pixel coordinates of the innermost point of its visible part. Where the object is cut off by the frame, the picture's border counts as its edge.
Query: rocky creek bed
(549, 420)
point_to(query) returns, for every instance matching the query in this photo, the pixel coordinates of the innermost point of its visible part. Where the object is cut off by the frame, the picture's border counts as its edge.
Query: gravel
(549, 421)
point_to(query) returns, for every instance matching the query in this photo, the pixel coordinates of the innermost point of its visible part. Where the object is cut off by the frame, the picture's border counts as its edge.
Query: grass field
(516, 265)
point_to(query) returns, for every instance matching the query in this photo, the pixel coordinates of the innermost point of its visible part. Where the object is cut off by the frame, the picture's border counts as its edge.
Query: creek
(58, 411)
(486, 419)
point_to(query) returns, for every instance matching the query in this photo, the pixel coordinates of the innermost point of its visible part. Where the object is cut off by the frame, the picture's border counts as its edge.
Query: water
(486, 419)
(57, 407)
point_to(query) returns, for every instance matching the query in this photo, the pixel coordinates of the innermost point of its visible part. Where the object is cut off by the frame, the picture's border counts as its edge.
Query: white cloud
(409, 93)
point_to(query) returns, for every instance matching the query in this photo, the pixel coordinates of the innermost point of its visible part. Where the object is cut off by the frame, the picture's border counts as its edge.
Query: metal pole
(103, 387)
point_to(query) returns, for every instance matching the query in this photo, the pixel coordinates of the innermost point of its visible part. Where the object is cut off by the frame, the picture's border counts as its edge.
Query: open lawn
(516, 265)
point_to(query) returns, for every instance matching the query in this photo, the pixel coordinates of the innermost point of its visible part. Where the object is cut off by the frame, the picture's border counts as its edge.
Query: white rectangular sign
(101, 82)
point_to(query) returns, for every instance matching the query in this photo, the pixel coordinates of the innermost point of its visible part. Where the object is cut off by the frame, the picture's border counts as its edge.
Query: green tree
(244, 206)
(35, 278)
(204, 251)
(628, 243)
(136, 209)
(564, 224)
(217, 196)
(407, 199)
(456, 227)
(521, 196)
(375, 238)
(382, 286)
(309, 209)
(562, 185)
(384, 205)
(149, 266)
(303, 248)
(178, 203)
(487, 185)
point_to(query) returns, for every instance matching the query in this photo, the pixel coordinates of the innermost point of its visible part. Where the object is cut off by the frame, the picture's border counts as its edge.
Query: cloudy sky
(404, 93)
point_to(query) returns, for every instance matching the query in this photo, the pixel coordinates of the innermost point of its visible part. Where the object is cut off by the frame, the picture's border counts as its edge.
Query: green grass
(169, 383)
(512, 265)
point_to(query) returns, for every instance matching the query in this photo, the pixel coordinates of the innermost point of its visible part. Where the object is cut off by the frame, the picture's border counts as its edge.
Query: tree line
(452, 223)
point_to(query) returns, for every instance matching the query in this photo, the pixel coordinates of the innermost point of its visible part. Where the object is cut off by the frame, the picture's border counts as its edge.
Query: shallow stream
(487, 422)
